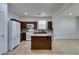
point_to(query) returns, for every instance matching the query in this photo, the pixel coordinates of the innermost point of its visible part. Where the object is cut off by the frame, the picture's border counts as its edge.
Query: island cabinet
(41, 43)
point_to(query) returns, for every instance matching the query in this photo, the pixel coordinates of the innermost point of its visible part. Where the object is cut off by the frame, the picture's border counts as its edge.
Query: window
(42, 24)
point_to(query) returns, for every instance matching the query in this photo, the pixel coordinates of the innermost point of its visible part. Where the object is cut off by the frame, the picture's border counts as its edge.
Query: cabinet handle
(2, 35)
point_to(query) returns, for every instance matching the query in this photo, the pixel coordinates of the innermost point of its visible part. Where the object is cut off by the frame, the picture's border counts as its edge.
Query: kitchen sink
(40, 32)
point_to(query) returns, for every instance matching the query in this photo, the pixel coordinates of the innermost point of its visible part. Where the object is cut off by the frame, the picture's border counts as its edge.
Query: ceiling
(33, 9)
(73, 11)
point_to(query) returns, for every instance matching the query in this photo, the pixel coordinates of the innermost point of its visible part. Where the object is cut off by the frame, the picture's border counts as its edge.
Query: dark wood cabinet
(35, 25)
(50, 25)
(23, 37)
(41, 43)
(23, 25)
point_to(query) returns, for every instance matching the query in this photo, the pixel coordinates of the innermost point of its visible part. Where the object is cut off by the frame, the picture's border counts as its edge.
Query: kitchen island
(41, 41)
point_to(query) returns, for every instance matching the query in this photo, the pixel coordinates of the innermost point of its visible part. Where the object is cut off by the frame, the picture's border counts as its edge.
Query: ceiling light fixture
(70, 13)
(43, 13)
(26, 13)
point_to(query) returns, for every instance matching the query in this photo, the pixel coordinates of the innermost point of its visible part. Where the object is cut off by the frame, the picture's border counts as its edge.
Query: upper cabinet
(50, 25)
(23, 25)
(45, 24)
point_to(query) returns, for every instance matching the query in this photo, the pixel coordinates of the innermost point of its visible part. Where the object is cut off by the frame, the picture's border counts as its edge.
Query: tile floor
(59, 47)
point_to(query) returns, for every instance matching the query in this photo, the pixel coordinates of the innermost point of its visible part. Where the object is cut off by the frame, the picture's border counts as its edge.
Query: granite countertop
(42, 34)
(36, 31)
(26, 30)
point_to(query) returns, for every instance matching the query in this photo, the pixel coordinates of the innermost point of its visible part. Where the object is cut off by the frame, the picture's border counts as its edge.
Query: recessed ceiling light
(26, 13)
(70, 13)
(43, 13)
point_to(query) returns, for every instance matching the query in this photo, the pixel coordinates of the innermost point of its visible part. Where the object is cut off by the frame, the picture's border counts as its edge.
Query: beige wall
(66, 28)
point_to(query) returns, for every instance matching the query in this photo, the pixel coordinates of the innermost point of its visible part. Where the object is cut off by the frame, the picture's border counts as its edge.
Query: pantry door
(1, 33)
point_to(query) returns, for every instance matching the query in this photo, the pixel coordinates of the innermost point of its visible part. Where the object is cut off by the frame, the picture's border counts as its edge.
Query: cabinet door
(23, 25)
(50, 25)
(1, 34)
(23, 36)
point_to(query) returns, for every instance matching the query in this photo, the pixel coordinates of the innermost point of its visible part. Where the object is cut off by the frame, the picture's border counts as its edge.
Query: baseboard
(62, 38)
(66, 37)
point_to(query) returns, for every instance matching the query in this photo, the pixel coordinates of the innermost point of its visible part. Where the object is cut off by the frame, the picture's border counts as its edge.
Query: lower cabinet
(23, 37)
(41, 43)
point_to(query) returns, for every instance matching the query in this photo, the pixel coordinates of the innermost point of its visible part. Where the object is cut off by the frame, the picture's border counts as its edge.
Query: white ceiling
(73, 11)
(51, 9)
